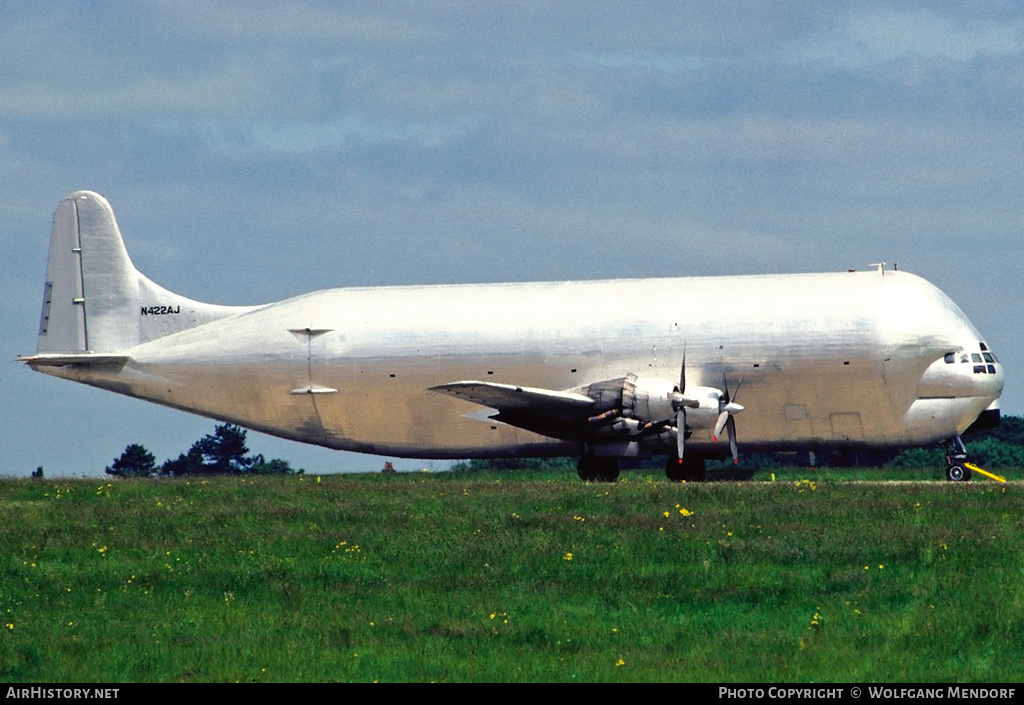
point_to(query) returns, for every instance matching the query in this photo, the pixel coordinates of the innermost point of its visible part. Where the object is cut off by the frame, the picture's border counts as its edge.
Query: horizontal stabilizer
(65, 359)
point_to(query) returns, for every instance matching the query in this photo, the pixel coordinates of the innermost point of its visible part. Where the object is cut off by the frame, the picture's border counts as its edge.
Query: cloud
(231, 89)
(854, 42)
(883, 36)
(247, 137)
(286, 22)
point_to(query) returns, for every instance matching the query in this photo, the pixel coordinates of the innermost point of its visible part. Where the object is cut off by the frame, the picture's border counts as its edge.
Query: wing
(558, 414)
(508, 397)
(593, 412)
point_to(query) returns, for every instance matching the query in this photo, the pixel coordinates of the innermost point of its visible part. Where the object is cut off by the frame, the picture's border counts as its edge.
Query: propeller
(726, 410)
(681, 402)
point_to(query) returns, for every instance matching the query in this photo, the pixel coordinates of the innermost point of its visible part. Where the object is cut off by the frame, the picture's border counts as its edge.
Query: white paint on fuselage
(825, 360)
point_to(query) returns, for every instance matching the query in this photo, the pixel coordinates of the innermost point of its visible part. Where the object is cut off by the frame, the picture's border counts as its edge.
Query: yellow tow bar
(975, 468)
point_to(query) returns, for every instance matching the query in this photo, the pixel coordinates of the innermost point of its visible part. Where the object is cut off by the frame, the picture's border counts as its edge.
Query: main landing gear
(691, 469)
(956, 461)
(592, 468)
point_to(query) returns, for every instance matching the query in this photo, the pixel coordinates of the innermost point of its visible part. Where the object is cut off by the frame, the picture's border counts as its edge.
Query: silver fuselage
(822, 360)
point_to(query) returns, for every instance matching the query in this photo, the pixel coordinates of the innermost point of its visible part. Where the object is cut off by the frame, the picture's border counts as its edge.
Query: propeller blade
(731, 426)
(727, 408)
(723, 418)
(681, 411)
(680, 433)
(682, 375)
(727, 398)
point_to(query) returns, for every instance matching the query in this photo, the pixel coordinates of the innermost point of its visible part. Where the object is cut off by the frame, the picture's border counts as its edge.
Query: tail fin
(95, 300)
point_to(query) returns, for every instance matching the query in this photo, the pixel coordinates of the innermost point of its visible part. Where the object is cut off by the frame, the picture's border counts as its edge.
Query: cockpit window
(983, 362)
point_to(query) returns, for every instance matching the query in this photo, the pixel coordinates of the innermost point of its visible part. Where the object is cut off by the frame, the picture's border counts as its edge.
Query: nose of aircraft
(987, 385)
(972, 372)
(972, 376)
(986, 372)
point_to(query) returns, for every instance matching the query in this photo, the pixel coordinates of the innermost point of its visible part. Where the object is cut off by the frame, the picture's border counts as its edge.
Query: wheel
(958, 473)
(608, 469)
(674, 470)
(690, 470)
(585, 468)
(593, 469)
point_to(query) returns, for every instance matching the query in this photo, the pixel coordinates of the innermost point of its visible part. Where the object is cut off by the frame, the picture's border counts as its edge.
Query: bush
(504, 464)
(135, 461)
(274, 466)
(190, 463)
(223, 453)
(995, 453)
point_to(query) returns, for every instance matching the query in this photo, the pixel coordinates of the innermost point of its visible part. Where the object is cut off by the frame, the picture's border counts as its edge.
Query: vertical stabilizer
(94, 299)
(62, 323)
(92, 291)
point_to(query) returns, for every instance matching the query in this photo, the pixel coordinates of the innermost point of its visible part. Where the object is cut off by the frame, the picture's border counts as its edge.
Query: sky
(254, 151)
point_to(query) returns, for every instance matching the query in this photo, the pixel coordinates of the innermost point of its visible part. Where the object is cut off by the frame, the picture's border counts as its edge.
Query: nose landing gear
(957, 467)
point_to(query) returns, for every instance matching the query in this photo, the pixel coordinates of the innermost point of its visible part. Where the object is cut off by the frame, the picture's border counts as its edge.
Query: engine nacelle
(628, 404)
(650, 399)
(705, 413)
(645, 411)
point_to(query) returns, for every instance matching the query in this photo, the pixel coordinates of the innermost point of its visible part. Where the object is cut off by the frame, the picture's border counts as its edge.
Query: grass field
(511, 577)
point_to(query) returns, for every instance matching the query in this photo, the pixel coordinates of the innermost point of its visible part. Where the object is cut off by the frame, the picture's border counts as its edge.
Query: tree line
(221, 453)
(224, 453)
